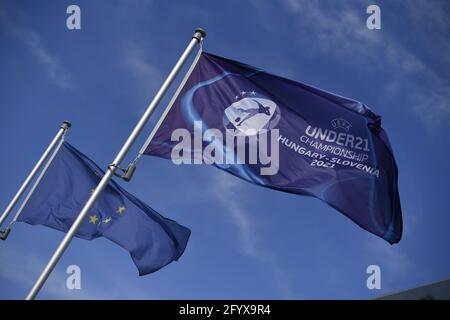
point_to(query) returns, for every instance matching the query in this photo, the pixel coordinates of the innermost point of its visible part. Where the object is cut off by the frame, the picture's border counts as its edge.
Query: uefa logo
(250, 114)
(340, 123)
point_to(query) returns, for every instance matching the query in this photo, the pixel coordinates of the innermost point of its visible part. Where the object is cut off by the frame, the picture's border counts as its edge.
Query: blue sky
(247, 242)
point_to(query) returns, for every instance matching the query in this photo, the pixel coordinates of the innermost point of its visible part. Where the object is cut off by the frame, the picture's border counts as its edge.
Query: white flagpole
(64, 127)
(196, 39)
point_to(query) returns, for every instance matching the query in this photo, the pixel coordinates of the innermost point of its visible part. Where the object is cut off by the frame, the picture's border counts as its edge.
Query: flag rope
(133, 164)
(36, 183)
(64, 127)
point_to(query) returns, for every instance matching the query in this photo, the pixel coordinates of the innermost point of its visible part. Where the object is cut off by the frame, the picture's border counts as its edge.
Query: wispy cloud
(396, 264)
(145, 77)
(140, 67)
(339, 29)
(226, 193)
(21, 269)
(32, 41)
(137, 62)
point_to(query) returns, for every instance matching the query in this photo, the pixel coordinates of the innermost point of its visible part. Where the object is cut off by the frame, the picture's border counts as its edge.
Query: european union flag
(152, 240)
(287, 136)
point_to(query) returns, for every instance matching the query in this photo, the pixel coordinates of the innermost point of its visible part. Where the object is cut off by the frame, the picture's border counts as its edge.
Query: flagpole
(196, 39)
(63, 129)
(5, 233)
(129, 172)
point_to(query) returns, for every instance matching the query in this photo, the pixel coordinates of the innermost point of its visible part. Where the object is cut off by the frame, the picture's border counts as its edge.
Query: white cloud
(55, 70)
(22, 269)
(397, 267)
(339, 29)
(397, 264)
(226, 192)
(146, 77)
(138, 65)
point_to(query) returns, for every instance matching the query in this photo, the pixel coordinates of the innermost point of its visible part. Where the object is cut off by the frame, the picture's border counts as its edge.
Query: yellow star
(120, 209)
(107, 220)
(93, 219)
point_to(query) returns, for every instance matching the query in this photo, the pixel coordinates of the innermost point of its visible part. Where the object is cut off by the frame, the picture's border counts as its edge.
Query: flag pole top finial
(199, 34)
(66, 124)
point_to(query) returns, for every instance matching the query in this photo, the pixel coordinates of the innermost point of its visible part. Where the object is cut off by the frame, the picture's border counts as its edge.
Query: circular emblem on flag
(250, 113)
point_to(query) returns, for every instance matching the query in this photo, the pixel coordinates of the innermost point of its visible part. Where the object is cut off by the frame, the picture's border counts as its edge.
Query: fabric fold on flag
(329, 147)
(152, 240)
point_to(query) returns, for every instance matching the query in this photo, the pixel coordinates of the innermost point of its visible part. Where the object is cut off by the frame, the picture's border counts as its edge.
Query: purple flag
(287, 136)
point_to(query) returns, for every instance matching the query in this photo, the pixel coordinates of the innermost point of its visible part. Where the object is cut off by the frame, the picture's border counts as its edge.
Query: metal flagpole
(64, 127)
(132, 166)
(5, 233)
(171, 103)
(196, 39)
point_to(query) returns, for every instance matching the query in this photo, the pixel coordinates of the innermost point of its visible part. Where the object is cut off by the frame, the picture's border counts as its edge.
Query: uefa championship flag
(152, 240)
(284, 135)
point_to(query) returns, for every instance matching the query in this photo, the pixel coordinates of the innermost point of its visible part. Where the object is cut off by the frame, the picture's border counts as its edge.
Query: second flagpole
(62, 130)
(196, 39)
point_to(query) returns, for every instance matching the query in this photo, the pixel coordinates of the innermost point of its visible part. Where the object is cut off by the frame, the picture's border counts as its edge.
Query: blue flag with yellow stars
(152, 240)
